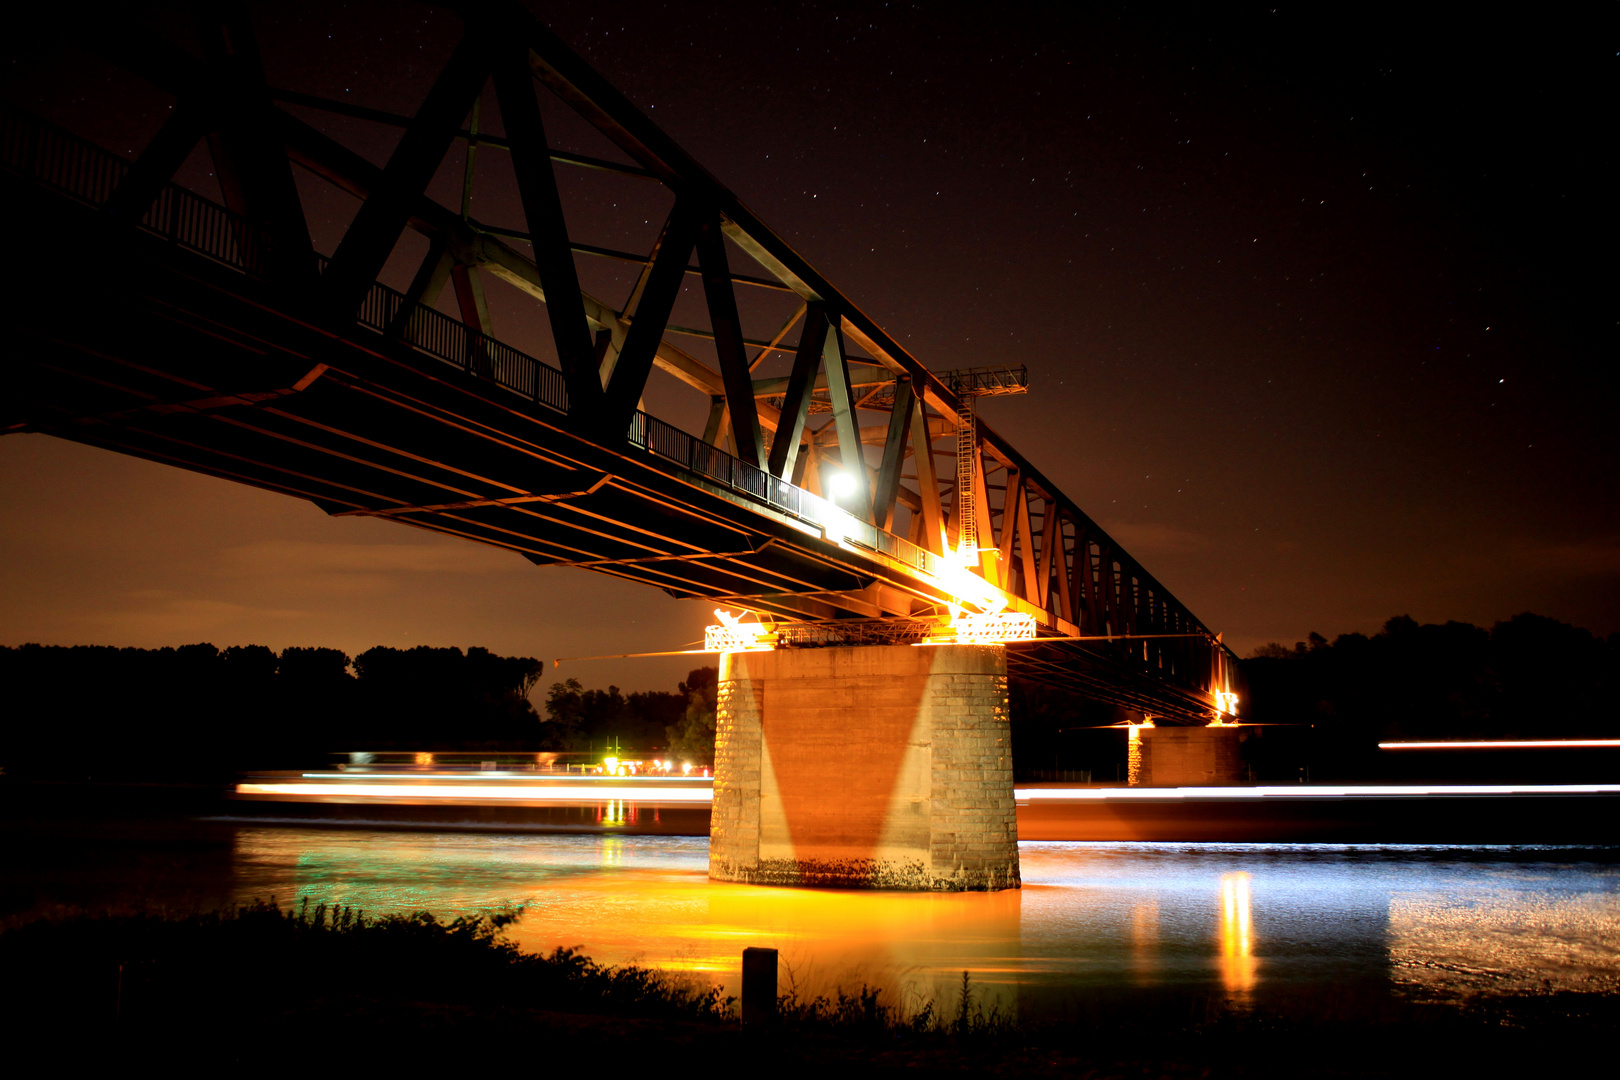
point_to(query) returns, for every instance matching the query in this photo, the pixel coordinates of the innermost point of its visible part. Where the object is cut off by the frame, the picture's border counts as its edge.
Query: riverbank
(257, 988)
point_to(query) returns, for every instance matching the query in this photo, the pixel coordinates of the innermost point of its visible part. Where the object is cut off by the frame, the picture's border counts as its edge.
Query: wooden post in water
(758, 988)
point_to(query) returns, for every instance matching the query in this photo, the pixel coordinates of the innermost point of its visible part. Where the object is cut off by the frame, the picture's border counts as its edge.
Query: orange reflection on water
(912, 946)
(1237, 934)
(1145, 940)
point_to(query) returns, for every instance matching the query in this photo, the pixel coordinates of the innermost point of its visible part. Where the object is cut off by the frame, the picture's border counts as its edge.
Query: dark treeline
(1327, 705)
(203, 713)
(1529, 677)
(197, 712)
(200, 712)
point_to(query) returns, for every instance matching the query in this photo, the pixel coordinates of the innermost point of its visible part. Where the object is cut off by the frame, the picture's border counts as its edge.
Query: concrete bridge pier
(876, 767)
(1185, 756)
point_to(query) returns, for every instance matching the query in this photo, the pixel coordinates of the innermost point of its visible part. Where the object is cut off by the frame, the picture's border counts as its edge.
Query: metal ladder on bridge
(969, 385)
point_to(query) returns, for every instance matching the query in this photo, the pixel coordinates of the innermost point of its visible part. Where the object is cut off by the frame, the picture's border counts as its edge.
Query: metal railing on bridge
(75, 167)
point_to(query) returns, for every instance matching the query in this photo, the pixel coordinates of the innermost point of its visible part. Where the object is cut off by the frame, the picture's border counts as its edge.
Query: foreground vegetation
(262, 987)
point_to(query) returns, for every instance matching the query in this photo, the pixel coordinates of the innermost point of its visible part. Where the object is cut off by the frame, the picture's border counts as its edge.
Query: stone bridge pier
(877, 767)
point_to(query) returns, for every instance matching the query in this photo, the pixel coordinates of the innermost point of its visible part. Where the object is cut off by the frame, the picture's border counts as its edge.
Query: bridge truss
(223, 341)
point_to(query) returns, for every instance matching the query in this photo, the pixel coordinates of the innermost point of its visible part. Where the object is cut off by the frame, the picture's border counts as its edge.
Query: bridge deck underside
(196, 367)
(192, 363)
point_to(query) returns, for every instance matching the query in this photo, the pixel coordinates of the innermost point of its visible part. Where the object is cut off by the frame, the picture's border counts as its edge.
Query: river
(1279, 926)
(1253, 923)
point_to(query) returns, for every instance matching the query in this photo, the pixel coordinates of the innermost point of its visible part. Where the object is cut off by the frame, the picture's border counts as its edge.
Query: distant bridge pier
(879, 766)
(1185, 756)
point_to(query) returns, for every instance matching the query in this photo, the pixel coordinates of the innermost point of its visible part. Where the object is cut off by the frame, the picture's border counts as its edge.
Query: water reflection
(1100, 918)
(1498, 939)
(1237, 935)
(1144, 940)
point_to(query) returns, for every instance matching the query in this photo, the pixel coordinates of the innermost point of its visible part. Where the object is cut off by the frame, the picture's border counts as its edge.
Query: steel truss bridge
(212, 335)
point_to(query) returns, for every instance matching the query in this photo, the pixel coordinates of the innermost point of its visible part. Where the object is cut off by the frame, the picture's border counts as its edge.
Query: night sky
(1317, 303)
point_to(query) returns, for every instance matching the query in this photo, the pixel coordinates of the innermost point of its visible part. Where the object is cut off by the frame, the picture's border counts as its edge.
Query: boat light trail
(492, 775)
(1296, 791)
(573, 793)
(1500, 744)
(702, 793)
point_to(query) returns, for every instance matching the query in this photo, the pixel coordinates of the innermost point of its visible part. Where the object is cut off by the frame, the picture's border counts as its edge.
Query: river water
(1275, 925)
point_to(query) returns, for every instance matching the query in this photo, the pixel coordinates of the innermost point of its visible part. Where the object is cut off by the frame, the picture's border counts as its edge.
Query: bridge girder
(348, 438)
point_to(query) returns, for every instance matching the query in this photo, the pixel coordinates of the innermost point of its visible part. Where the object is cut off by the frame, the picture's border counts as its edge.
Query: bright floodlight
(842, 484)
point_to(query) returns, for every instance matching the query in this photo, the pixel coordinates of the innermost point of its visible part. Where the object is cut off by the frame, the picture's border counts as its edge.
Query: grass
(261, 956)
(261, 987)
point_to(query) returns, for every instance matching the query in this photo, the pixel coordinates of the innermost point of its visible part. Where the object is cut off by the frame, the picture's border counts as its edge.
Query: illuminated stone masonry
(881, 767)
(1186, 756)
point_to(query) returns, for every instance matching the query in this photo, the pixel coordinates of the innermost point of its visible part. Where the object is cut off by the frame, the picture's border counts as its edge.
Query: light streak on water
(458, 792)
(520, 788)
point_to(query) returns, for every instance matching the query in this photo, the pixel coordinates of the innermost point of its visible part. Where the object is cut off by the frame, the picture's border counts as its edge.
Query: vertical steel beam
(894, 455)
(1130, 592)
(548, 231)
(796, 402)
(469, 286)
(728, 341)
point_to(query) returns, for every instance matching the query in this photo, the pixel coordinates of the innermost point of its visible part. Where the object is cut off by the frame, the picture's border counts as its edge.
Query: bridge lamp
(841, 484)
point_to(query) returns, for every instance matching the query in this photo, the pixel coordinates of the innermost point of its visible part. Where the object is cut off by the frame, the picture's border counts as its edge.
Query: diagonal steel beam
(1026, 549)
(158, 163)
(850, 454)
(885, 495)
(728, 341)
(542, 207)
(651, 316)
(922, 454)
(796, 403)
(370, 238)
(250, 161)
